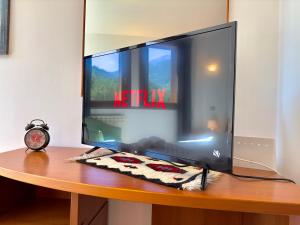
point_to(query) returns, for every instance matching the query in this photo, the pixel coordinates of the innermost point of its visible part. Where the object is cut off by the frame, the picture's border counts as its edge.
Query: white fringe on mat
(195, 184)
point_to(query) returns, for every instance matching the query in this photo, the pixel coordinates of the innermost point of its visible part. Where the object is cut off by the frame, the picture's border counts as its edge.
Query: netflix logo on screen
(140, 97)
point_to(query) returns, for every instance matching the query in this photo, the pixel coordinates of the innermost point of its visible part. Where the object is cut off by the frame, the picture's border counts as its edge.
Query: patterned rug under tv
(154, 170)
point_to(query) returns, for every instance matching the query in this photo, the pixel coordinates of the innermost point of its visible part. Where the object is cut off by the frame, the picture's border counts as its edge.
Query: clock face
(36, 139)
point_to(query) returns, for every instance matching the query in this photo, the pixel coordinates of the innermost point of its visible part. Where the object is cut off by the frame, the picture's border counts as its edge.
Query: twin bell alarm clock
(37, 137)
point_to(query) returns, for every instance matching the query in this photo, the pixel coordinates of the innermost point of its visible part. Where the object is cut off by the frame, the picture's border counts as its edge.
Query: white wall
(40, 78)
(96, 43)
(257, 66)
(268, 81)
(288, 140)
(154, 18)
(119, 23)
(129, 213)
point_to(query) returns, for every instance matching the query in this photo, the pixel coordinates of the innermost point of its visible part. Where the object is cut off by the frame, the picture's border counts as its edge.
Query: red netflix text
(139, 97)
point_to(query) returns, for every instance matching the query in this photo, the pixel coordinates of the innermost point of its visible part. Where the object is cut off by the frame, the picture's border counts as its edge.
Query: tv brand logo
(121, 98)
(216, 153)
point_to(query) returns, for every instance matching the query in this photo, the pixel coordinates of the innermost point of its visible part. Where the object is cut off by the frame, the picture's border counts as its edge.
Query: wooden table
(229, 201)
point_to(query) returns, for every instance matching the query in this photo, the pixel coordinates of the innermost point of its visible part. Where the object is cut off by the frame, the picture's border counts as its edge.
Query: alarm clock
(37, 137)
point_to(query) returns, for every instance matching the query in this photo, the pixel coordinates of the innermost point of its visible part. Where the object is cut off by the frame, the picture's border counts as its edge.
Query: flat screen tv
(170, 99)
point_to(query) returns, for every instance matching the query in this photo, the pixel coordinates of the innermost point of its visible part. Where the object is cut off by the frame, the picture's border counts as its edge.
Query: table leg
(88, 210)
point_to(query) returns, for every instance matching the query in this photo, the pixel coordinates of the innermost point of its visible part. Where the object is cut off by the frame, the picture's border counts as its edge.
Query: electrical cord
(260, 178)
(263, 178)
(246, 176)
(258, 163)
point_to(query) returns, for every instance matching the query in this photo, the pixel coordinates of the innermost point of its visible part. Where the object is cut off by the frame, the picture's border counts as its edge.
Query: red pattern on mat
(165, 168)
(125, 159)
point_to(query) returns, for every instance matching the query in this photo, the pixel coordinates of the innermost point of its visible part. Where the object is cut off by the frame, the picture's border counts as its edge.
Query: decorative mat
(154, 170)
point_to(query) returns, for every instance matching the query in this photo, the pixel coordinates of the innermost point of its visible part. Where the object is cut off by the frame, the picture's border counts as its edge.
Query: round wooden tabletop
(52, 170)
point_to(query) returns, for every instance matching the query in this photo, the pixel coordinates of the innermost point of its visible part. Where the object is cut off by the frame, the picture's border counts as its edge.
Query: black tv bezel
(233, 26)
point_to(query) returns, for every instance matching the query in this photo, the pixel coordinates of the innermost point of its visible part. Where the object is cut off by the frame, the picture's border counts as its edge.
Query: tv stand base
(204, 179)
(92, 150)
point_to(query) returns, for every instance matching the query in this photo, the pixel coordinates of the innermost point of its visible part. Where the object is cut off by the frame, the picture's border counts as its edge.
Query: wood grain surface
(40, 212)
(162, 215)
(228, 193)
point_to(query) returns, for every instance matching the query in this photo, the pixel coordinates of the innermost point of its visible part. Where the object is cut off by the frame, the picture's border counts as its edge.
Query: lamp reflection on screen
(212, 68)
(212, 124)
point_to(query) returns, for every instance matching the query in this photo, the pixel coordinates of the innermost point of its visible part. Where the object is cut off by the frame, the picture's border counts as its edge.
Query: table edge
(205, 202)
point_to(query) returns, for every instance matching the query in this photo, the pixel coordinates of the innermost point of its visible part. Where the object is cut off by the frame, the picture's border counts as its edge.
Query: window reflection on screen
(106, 78)
(160, 73)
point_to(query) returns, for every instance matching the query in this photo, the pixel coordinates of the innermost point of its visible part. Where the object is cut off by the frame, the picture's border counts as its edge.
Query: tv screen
(171, 99)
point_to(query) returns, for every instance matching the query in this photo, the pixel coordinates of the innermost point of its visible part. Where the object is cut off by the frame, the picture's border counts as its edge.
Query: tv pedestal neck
(204, 179)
